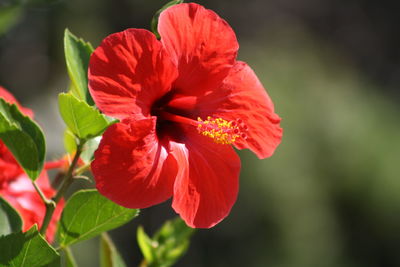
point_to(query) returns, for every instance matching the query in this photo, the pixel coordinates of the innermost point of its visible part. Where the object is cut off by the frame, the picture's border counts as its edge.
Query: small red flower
(16, 187)
(21, 194)
(181, 102)
(9, 168)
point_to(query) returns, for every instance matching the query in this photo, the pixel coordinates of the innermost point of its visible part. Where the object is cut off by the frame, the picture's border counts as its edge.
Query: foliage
(10, 221)
(84, 121)
(109, 255)
(27, 249)
(23, 137)
(77, 55)
(88, 214)
(167, 245)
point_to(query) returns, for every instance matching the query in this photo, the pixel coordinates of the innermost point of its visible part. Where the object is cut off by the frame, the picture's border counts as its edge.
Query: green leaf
(168, 245)
(77, 56)
(88, 214)
(173, 239)
(146, 244)
(109, 255)
(69, 141)
(83, 120)
(10, 221)
(23, 137)
(27, 249)
(154, 20)
(89, 148)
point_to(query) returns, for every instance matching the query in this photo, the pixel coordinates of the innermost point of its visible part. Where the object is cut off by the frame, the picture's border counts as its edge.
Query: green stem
(50, 204)
(42, 196)
(67, 181)
(82, 169)
(70, 257)
(68, 178)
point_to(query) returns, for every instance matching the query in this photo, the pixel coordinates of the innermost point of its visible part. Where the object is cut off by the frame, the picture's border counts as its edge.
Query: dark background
(330, 194)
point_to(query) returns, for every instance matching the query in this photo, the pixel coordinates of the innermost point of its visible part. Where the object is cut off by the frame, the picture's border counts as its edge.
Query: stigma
(222, 131)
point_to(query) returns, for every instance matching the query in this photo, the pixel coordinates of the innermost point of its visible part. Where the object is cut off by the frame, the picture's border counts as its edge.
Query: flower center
(221, 131)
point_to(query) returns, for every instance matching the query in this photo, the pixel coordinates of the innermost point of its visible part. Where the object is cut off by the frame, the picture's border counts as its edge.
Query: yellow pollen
(220, 130)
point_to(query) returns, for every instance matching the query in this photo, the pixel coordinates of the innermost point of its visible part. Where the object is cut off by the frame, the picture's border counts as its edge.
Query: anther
(221, 130)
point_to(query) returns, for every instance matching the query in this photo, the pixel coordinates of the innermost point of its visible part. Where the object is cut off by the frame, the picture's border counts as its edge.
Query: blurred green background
(330, 194)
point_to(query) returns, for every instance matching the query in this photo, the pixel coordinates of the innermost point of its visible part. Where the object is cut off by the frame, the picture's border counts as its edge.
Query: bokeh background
(330, 196)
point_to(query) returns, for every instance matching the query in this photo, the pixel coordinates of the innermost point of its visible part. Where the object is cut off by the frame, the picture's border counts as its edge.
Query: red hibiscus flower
(9, 168)
(181, 102)
(16, 187)
(21, 194)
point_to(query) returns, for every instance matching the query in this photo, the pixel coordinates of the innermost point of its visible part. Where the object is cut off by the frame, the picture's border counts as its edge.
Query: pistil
(221, 131)
(176, 118)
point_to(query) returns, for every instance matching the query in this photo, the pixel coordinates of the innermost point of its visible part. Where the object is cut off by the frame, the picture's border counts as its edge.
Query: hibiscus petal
(243, 97)
(207, 183)
(128, 72)
(21, 194)
(202, 45)
(131, 167)
(9, 167)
